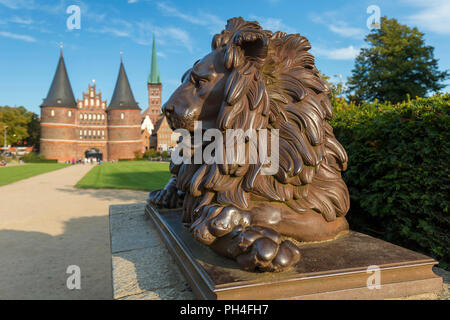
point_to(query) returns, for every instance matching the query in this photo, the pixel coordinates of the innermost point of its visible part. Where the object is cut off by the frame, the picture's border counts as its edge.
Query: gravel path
(47, 225)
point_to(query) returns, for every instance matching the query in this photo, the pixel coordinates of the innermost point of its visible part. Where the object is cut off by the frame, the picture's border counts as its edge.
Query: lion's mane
(273, 84)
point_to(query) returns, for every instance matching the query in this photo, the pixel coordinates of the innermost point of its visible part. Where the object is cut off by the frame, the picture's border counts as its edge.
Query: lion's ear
(253, 43)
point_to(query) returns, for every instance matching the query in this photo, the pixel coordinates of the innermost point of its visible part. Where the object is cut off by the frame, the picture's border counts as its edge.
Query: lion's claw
(228, 219)
(262, 249)
(169, 197)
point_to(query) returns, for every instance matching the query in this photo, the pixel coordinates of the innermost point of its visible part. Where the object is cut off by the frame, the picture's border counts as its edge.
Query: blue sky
(30, 33)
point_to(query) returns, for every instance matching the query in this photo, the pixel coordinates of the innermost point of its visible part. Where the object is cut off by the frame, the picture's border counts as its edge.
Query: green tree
(337, 89)
(397, 63)
(16, 119)
(34, 131)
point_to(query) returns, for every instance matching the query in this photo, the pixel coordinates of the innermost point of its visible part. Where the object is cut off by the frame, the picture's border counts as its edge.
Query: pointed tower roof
(60, 93)
(122, 98)
(154, 77)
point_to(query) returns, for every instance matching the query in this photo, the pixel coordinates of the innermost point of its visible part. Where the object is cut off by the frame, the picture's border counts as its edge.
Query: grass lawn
(20, 172)
(137, 175)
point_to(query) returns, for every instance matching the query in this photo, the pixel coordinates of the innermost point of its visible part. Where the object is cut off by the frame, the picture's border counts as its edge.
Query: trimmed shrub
(34, 158)
(165, 154)
(45, 161)
(137, 155)
(150, 153)
(398, 171)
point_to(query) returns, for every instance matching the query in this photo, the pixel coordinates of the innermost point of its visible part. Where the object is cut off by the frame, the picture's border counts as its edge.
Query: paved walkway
(47, 225)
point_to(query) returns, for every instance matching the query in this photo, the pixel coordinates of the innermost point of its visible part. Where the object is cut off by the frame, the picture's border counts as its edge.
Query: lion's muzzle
(176, 120)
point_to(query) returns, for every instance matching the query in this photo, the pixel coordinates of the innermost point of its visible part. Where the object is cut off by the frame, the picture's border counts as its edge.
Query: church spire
(154, 76)
(122, 98)
(60, 93)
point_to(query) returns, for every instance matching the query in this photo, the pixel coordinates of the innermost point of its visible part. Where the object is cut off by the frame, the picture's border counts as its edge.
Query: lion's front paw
(217, 221)
(228, 231)
(259, 248)
(165, 198)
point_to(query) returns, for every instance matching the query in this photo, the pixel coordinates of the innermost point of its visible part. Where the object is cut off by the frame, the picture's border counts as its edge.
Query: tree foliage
(34, 131)
(17, 120)
(396, 63)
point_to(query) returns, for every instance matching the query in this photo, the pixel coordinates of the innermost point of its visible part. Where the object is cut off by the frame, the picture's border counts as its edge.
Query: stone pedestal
(328, 270)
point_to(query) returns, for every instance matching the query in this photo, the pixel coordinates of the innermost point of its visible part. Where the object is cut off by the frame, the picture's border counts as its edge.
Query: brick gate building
(76, 129)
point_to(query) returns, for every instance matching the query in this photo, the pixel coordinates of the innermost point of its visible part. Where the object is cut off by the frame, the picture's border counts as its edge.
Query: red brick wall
(60, 126)
(62, 151)
(124, 134)
(154, 102)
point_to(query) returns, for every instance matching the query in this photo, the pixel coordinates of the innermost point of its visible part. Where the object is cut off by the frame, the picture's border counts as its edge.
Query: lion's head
(257, 79)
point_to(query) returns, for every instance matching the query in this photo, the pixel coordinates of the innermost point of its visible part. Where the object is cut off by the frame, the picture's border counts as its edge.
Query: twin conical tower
(60, 92)
(69, 130)
(124, 120)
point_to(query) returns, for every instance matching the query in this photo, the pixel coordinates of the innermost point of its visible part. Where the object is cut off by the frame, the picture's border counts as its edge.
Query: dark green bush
(398, 171)
(29, 157)
(45, 161)
(35, 158)
(151, 153)
(137, 155)
(165, 154)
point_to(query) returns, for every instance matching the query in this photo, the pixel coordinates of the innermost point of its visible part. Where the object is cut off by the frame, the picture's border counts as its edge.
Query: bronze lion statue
(256, 79)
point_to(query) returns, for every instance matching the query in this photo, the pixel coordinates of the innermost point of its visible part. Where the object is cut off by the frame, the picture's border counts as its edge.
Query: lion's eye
(200, 82)
(197, 81)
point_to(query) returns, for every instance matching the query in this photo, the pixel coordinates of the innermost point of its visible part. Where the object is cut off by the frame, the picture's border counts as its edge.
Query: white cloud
(347, 31)
(172, 11)
(433, 15)
(214, 23)
(145, 30)
(142, 32)
(32, 5)
(26, 38)
(347, 53)
(337, 26)
(272, 24)
(19, 20)
(181, 36)
(113, 31)
(132, 1)
(17, 4)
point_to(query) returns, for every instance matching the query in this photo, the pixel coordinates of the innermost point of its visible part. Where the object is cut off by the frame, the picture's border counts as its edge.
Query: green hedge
(34, 158)
(43, 161)
(398, 171)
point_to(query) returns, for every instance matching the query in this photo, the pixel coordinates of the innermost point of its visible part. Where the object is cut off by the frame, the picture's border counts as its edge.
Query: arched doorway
(93, 153)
